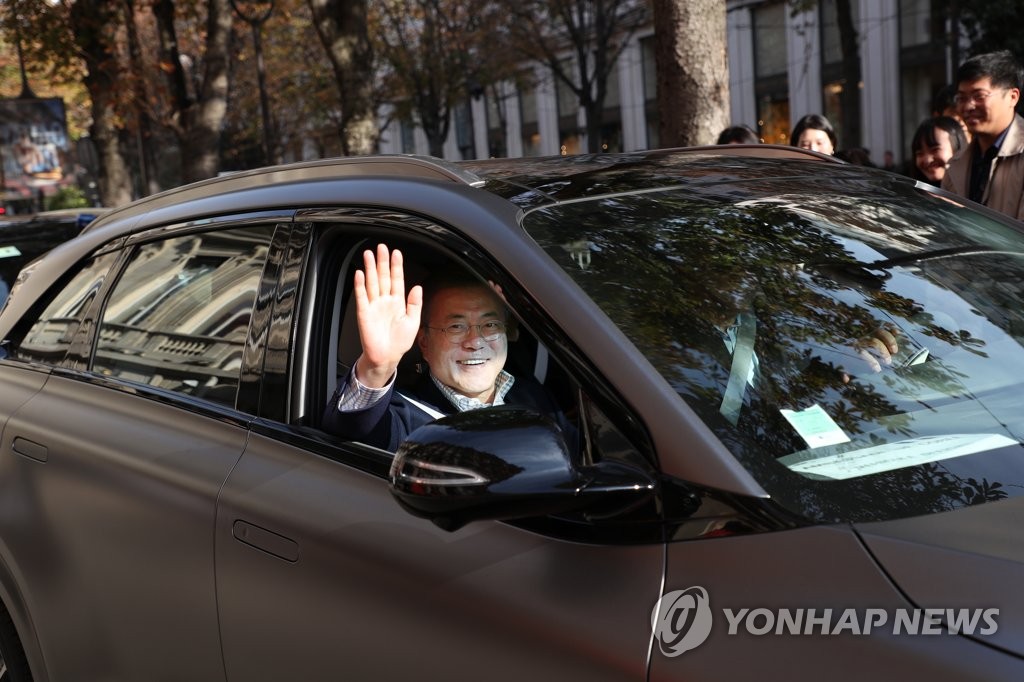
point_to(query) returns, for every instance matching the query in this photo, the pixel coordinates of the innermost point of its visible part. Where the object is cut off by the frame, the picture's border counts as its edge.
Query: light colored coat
(1005, 189)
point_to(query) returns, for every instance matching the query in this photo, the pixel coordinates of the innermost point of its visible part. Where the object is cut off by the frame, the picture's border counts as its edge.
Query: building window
(833, 82)
(497, 141)
(407, 131)
(530, 131)
(650, 90)
(916, 25)
(611, 116)
(922, 64)
(568, 111)
(464, 130)
(771, 86)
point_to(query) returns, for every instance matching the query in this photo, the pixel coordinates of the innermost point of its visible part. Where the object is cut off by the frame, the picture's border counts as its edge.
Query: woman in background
(738, 134)
(936, 141)
(814, 132)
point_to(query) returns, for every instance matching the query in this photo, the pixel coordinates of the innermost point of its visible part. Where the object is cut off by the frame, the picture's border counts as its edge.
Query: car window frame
(372, 226)
(78, 362)
(72, 358)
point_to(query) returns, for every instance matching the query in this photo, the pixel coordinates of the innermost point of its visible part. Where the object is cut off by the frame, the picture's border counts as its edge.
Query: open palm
(388, 321)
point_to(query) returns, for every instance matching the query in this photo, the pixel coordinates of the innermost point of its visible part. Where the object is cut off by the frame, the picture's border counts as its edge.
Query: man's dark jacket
(388, 422)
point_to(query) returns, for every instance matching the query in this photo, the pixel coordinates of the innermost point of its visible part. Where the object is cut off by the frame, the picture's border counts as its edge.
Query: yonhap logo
(681, 620)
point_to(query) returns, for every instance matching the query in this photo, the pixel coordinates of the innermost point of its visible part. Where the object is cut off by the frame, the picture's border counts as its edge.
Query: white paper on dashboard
(905, 453)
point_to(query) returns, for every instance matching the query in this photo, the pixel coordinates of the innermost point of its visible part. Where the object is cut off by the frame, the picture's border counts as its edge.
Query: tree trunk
(95, 24)
(170, 57)
(435, 144)
(691, 58)
(204, 119)
(144, 138)
(435, 119)
(597, 86)
(115, 184)
(341, 25)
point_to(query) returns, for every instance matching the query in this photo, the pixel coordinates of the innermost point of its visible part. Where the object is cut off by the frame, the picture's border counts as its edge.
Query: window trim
(80, 366)
(373, 225)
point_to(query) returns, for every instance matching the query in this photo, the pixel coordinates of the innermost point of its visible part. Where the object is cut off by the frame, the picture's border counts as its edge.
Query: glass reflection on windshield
(764, 318)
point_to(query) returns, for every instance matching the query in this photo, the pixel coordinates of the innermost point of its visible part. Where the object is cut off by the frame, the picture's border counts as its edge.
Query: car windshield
(757, 300)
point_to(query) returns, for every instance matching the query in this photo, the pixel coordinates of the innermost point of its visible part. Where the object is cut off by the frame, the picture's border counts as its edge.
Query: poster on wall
(35, 150)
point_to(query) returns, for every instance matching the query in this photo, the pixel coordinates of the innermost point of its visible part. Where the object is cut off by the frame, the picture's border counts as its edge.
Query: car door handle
(268, 541)
(27, 448)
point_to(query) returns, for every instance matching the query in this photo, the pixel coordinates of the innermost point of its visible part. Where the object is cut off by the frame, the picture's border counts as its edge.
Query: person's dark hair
(925, 137)
(858, 156)
(739, 134)
(944, 100)
(1001, 67)
(448, 278)
(457, 278)
(814, 122)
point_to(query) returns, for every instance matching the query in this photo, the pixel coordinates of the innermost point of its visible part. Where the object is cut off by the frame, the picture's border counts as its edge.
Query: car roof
(531, 173)
(393, 166)
(530, 182)
(484, 194)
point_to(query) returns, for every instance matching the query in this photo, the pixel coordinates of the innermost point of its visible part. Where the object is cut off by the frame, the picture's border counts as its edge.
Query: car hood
(967, 558)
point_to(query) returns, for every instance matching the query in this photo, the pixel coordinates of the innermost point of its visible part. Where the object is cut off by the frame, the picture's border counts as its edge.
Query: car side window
(539, 381)
(179, 316)
(50, 336)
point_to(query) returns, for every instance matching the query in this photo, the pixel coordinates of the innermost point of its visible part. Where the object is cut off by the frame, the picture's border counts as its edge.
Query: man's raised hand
(388, 321)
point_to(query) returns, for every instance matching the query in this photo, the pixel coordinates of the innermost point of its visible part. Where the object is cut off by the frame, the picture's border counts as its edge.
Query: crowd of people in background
(971, 145)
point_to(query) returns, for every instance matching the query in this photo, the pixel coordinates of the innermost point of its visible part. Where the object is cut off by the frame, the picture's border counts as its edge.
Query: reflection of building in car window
(179, 316)
(51, 335)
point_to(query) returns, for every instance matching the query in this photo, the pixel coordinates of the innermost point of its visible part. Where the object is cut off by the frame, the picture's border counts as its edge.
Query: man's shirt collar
(501, 387)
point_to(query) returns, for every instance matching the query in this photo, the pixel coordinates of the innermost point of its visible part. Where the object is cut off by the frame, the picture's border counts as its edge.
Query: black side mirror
(501, 463)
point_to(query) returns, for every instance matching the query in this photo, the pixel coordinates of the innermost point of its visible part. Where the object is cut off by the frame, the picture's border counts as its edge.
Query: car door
(110, 473)
(321, 575)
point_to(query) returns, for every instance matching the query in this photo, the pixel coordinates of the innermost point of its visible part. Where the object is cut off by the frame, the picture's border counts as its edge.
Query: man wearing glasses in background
(991, 169)
(464, 341)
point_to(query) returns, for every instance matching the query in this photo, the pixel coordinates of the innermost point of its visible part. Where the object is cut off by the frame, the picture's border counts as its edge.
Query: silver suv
(790, 450)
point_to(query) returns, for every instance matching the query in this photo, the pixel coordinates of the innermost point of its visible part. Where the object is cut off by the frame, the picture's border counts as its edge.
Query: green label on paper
(815, 426)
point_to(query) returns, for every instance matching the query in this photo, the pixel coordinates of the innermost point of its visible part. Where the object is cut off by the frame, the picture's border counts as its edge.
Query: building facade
(783, 64)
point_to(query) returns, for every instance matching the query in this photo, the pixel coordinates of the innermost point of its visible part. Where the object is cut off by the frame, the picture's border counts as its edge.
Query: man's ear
(421, 340)
(1015, 94)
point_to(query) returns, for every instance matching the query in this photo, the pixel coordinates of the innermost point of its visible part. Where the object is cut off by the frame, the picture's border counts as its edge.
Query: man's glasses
(976, 97)
(458, 331)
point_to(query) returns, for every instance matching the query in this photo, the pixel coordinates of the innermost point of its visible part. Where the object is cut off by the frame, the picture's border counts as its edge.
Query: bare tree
(197, 111)
(435, 55)
(144, 123)
(593, 33)
(342, 26)
(299, 92)
(691, 58)
(256, 17)
(95, 24)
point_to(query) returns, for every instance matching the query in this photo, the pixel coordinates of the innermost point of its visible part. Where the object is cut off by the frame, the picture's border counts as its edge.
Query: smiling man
(461, 327)
(991, 169)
